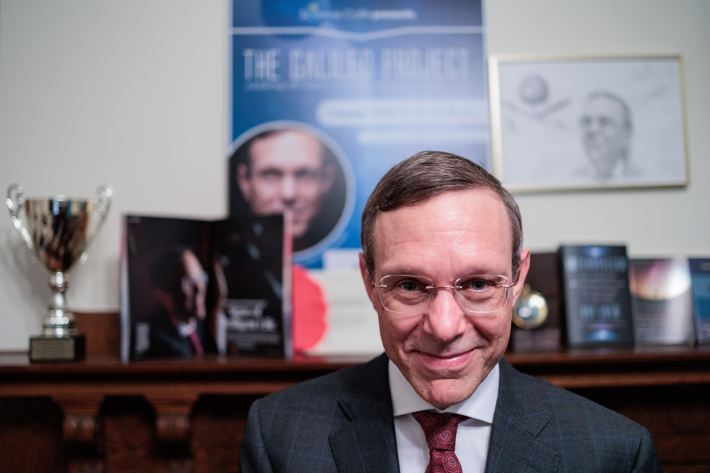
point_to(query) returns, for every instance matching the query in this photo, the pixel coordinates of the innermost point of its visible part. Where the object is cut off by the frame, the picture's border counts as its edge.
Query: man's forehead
(285, 146)
(190, 262)
(457, 214)
(605, 105)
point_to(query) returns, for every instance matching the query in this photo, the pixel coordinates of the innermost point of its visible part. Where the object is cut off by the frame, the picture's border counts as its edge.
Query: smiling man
(443, 265)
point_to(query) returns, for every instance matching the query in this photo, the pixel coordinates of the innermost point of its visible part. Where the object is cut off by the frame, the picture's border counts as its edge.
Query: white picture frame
(574, 123)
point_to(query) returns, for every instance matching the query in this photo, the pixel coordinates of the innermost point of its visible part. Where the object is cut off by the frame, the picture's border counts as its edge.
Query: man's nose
(288, 188)
(595, 125)
(444, 319)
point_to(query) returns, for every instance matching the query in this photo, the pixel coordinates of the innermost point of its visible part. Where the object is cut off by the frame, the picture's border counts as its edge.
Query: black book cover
(195, 287)
(597, 300)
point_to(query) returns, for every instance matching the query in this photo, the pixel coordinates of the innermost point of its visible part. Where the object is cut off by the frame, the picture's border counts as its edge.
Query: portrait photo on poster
(588, 123)
(289, 166)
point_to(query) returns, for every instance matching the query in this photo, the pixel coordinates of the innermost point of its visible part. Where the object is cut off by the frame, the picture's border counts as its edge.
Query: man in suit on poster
(443, 264)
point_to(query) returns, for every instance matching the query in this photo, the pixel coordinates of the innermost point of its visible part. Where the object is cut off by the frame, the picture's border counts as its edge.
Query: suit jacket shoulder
(539, 427)
(339, 422)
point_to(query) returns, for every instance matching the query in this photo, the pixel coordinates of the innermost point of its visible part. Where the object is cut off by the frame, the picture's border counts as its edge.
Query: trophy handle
(15, 198)
(103, 201)
(102, 204)
(14, 201)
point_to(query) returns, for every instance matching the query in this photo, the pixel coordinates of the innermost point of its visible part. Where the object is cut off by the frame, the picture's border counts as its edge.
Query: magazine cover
(192, 287)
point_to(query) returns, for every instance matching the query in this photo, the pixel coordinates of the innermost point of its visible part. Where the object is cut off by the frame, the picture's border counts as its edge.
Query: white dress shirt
(473, 435)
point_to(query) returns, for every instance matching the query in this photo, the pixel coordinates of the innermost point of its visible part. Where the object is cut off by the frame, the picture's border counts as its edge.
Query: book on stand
(597, 301)
(662, 301)
(700, 276)
(192, 287)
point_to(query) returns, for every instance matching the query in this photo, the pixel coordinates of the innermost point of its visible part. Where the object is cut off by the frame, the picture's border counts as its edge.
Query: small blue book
(700, 275)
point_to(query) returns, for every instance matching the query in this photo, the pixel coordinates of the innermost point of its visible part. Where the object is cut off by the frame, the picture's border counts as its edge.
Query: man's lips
(447, 362)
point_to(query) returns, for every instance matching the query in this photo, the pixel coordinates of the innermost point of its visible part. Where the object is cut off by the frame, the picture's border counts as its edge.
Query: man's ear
(523, 269)
(243, 180)
(369, 288)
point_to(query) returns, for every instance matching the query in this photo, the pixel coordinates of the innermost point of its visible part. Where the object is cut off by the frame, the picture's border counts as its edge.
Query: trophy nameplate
(58, 230)
(69, 348)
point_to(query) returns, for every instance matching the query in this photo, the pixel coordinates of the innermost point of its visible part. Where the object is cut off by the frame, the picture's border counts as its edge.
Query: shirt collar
(480, 405)
(186, 329)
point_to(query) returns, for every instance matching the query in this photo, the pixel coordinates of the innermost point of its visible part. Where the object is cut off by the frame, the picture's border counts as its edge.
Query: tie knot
(439, 429)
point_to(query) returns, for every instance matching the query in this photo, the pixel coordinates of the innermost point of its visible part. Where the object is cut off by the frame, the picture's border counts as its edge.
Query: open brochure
(195, 287)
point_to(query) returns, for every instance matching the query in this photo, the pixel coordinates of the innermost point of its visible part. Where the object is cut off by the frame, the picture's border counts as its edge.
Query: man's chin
(299, 229)
(443, 393)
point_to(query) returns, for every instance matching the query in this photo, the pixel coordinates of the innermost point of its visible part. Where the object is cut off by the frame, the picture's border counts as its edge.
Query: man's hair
(245, 149)
(423, 176)
(625, 109)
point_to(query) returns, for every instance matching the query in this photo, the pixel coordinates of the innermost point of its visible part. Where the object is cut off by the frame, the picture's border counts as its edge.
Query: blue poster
(327, 95)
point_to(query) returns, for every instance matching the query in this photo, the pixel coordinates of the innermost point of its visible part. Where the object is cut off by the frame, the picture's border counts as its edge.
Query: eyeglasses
(409, 295)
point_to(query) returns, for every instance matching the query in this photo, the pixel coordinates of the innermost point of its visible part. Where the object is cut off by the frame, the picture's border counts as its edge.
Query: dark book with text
(596, 295)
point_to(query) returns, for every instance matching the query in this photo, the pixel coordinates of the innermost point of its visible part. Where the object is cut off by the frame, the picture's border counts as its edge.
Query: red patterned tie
(440, 432)
(196, 344)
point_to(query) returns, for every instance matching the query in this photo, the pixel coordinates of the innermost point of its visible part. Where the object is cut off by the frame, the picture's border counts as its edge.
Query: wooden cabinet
(102, 415)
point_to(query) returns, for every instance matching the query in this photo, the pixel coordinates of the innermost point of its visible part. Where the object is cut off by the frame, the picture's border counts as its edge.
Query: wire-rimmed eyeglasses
(408, 295)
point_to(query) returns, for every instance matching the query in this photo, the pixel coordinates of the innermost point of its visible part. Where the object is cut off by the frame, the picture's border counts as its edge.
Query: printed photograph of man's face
(289, 170)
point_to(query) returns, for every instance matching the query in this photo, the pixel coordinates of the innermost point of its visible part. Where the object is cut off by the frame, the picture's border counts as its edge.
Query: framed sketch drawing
(588, 123)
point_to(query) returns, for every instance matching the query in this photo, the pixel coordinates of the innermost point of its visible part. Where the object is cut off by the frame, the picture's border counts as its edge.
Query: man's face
(190, 301)
(606, 132)
(286, 174)
(443, 352)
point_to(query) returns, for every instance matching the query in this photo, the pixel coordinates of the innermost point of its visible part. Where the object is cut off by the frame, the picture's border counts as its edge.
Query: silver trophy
(58, 230)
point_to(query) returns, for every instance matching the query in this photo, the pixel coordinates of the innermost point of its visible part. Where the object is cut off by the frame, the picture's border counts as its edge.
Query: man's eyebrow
(270, 170)
(470, 271)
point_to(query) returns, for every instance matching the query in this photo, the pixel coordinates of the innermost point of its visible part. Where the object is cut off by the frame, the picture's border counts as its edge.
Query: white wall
(651, 222)
(133, 93)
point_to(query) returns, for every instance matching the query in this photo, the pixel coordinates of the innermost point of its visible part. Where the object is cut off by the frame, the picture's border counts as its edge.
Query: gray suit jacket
(343, 422)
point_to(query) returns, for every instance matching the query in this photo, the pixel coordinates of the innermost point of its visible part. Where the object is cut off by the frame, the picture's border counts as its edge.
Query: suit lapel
(367, 443)
(517, 422)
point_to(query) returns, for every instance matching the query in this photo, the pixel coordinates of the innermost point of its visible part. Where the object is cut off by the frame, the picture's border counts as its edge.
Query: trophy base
(70, 348)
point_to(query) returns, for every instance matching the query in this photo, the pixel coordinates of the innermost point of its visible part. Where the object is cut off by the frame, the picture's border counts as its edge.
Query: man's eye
(606, 122)
(410, 285)
(270, 175)
(307, 175)
(475, 284)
